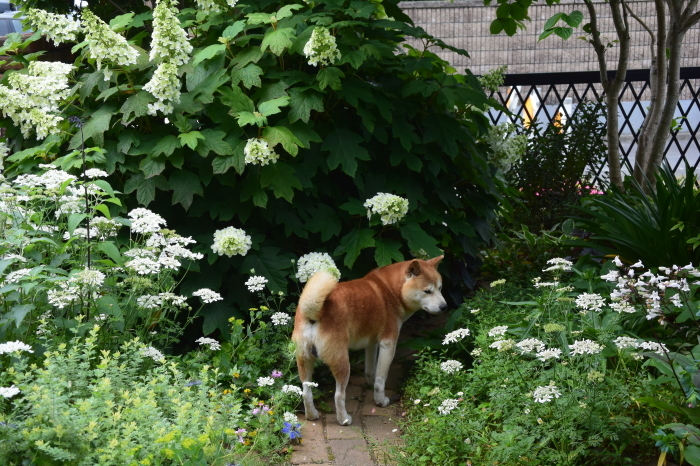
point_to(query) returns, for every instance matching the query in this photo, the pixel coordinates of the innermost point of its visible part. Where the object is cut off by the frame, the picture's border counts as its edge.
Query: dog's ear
(413, 269)
(435, 261)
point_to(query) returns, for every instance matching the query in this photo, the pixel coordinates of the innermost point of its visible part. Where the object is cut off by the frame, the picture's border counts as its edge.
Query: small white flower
(530, 345)
(503, 345)
(590, 302)
(585, 347)
(546, 394)
(256, 283)
(258, 152)
(551, 353)
(617, 261)
(95, 173)
(558, 264)
(498, 331)
(292, 389)
(207, 295)
(451, 366)
(289, 417)
(455, 336)
(265, 381)
(151, 352)
(623, 342)
(448, 406)
(280, 318)
(310, 384)
(9, 392)
(389, 207)
(213, 344)
(658, 348)
(14, 347)
(144, 221)
(231, 241)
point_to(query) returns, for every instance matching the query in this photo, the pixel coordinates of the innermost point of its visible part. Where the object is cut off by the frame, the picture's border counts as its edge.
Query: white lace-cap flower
(207, 295)
(9, 392)
(256, 283)
(313, 262)
(265, 381)
(530, 345)
(503, 345)
(448, 406)
(585, 346)
(210, 342)
(280, 318)
(551, 353)
(451, 366)
(144, 221)
(292, 389)
(546, 394)
(623, 342)
(14, 347)
(455, 336)
(498, 331)
(590, 302)
(231, 241)
(258, 152)
(151, 352)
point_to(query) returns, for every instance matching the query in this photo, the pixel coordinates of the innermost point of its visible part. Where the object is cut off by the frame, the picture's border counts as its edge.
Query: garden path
(374, 432)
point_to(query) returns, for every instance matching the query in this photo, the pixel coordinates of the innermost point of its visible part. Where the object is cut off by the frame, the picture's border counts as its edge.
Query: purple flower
(193, 382)
(291, 430)
(276, 374)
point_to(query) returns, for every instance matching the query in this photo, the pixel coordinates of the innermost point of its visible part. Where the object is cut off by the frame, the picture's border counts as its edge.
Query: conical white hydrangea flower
(258, 152)
(390, 207)
(231, 241)
(313, 262)
(32, 100)
(321, 48)
(58, 28)
(170, 42)
(105, 45)
(165, 86)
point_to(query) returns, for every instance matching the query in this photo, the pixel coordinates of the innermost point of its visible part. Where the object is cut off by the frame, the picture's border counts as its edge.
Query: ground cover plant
(595, 367)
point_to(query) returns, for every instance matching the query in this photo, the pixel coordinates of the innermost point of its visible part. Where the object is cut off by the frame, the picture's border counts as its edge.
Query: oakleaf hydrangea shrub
(85, 405)
(347, 109)
(565, 381)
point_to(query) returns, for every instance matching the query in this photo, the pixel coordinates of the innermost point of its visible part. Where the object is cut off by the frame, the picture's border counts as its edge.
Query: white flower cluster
(151, 352)
(498, 331)
(546, 394)
(665, 288)
(210, 342)
(530, 345)
(623, 342)
(103, 44)
(16, 276)
(448, 406)
(93, 173)
(321, 48)
(557, 264)
(451, 366)
(58, 28)
(157, 301)
(585, 346)
(144, 221)
(169, 49)
(256, 283)
(265, 381)
(207, 296)
(503, 345)
(292, 389)
(32, 98)
(658, 348)
(390, 207)
(231, 241)
(83, 285)
(507, 146)
(550, 353)
(258, 152)
(455, 336)
(280, 318)
(313, 262)
(289, 417)
(590, 302)
(14, 347)
(9, 392)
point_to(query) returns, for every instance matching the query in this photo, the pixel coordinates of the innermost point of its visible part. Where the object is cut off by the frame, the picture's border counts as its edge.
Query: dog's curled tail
(315, 293)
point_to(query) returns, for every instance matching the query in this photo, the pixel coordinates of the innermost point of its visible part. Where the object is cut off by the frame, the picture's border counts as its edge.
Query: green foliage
(551, 176)
(658, 229)
(375, 121)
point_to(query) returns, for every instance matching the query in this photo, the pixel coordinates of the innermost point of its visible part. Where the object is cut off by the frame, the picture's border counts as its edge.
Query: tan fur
(366, 313)
(315, 292)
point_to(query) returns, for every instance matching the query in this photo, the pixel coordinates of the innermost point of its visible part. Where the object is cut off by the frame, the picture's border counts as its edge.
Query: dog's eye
(428, 291)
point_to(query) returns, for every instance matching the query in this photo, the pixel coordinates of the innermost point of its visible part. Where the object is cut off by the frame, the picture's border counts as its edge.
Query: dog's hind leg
(341, 372)
(387, 348)
(370, 362)
(305, 365)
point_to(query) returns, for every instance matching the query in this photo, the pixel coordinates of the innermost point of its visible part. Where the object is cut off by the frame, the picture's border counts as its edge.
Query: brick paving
(367, 442)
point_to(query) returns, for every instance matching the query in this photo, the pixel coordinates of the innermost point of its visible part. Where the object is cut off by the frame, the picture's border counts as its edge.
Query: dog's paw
(345, 421)
(312, 415)
(382, 401)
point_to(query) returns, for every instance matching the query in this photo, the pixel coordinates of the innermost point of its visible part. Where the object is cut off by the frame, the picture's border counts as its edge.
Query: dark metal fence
(549, 97)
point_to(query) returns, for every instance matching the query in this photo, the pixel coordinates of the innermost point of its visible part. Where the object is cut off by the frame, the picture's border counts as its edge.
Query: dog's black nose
(443, 307)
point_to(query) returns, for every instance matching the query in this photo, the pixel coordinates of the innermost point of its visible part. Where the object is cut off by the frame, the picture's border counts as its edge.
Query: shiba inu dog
(333, 317)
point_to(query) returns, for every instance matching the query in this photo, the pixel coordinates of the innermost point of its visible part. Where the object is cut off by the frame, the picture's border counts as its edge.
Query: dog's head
(423, 286)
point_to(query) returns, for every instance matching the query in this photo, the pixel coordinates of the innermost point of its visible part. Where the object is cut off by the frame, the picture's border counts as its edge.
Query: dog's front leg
(387, 348)
(370, 362)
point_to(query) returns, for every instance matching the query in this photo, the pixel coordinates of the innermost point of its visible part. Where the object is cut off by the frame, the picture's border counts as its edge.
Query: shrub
(261, 128)
(554, 172)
